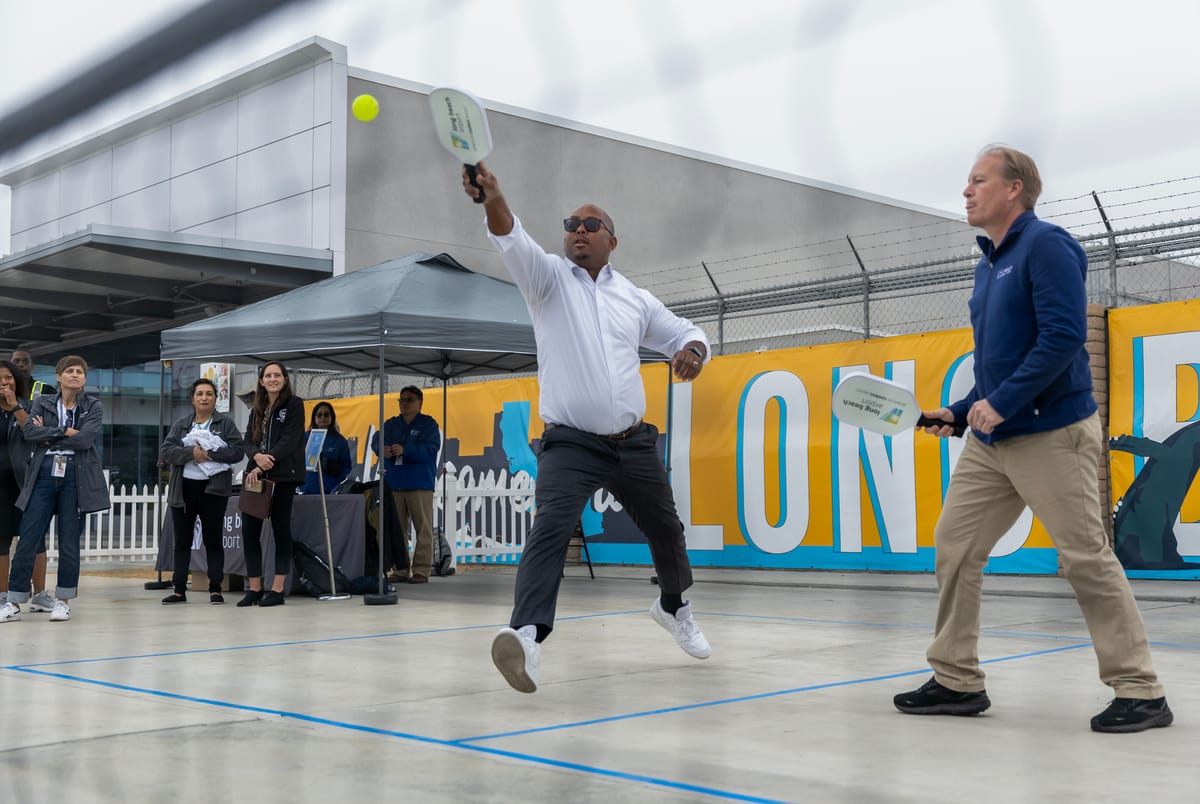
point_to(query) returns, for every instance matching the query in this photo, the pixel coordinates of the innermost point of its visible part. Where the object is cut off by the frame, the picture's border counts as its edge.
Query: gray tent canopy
(421, 314)
(428, 316)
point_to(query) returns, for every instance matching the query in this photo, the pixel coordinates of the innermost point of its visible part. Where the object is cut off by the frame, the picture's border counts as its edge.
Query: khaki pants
(1056, 474)
(416, 506)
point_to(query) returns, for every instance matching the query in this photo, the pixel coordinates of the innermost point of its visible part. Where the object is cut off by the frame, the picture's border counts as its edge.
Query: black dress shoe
(251, 599)
(271, 598)
(173, 598)
(934, 699)
(1127, 715)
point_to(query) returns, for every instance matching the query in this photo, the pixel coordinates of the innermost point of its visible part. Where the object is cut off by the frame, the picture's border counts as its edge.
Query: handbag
(255, 499)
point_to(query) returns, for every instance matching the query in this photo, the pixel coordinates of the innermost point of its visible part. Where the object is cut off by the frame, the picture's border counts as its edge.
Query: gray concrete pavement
(337, 701)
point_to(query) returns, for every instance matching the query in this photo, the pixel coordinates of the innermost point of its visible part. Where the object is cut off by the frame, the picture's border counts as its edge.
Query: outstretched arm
(499, 216)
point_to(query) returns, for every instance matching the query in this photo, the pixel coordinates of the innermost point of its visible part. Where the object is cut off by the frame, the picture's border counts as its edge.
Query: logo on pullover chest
(1003, 272)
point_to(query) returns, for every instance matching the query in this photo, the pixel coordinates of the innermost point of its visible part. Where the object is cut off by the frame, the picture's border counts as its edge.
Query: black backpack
(312, 572)
(443, 560)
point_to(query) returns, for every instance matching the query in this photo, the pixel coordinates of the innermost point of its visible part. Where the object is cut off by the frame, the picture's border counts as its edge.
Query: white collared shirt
(588, 335)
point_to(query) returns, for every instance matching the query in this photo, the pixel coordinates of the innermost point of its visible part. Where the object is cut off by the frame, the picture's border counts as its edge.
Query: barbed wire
(917, 233)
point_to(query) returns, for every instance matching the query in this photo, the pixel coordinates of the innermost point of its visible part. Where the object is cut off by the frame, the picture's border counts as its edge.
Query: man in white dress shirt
(590, 322)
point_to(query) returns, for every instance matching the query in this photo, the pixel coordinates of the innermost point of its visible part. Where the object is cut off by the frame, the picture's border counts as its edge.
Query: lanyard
(66, 418)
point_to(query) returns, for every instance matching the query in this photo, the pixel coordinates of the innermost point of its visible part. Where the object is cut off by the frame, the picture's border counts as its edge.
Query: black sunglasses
(571, 224)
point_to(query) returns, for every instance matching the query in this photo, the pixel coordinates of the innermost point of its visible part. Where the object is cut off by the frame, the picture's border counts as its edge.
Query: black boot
(272, 598)
(251, 599)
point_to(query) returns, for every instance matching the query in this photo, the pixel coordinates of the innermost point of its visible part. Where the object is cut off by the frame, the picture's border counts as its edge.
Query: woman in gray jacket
(201, 450)
(64, 480)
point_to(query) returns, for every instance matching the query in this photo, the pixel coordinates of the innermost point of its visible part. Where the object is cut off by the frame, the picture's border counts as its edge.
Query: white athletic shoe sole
(508, 654)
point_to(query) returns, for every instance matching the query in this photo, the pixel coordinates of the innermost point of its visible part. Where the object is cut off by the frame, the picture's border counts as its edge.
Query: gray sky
(892, 97)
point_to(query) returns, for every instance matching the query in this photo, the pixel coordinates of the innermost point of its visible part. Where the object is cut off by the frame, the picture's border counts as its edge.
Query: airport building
(262, 182)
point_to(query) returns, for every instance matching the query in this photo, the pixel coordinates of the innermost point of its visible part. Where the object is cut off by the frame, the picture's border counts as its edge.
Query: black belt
(624, 434)
(621, 436)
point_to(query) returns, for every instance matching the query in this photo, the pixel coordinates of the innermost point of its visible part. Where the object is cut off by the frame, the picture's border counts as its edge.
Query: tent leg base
(385, 599)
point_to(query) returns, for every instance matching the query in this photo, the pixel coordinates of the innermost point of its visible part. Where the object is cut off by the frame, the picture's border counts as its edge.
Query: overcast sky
(892, 97)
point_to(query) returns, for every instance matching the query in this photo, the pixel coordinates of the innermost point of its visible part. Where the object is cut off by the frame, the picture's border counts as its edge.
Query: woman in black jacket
(201, 450)
(14, 455)
(274, 444)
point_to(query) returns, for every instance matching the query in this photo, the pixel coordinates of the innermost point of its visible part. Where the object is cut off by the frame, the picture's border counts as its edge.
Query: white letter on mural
(961, 383)
(699, 537)
(792, 397)
(887, 465)
(1158, 391)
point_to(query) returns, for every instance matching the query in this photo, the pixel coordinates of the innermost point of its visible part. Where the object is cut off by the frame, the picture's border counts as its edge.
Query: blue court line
(467, 743)
(927, 628)
(574, 617)
(755, 697)
(479, 749)
(294, 643)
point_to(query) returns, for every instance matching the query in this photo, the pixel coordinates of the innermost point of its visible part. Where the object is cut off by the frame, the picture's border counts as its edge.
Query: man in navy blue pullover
(1035, 441)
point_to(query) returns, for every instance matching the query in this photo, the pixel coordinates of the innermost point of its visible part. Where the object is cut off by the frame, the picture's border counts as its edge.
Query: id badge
(60, 466)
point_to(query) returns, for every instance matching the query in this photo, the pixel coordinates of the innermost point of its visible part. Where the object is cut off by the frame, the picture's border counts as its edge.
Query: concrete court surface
(132, 701)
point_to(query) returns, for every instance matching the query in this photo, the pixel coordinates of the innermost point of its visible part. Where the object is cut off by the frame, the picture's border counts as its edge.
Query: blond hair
(1020, 167)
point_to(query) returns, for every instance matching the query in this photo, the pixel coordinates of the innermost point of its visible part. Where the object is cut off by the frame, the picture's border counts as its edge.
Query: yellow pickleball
(365, 107)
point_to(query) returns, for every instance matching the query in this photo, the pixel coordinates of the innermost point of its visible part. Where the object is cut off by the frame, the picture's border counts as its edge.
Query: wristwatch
(695, 351)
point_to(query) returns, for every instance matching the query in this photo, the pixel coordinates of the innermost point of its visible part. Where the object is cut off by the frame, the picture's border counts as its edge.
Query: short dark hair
(69, 361)
(203, 381)
(412, 389)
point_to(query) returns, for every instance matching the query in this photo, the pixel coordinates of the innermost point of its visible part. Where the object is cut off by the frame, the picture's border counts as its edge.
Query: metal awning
(110, 290)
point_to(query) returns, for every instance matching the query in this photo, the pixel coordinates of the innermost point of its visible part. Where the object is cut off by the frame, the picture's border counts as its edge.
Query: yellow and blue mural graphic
(1154, 425)
(765, 476)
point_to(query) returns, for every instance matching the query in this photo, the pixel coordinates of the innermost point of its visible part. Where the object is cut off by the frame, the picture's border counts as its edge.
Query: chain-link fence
(1143, 246)
(316, 385)
(1142, 243)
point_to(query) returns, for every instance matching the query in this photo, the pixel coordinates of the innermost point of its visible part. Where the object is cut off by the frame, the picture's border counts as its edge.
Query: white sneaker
(9, 612)
(61, 612)
(517, 655)
(42, 601)
(683, 628)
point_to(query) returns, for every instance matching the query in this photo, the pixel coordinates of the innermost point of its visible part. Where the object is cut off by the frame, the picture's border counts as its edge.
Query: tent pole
(446, 515)
(382, 597)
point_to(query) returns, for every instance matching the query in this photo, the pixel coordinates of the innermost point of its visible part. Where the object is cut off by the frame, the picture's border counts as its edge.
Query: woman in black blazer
(275, 446)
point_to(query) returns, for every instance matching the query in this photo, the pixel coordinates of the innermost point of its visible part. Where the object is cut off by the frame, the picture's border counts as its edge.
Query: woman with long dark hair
(201, 449)
(274, 443)
(14, 455)
(336, 462)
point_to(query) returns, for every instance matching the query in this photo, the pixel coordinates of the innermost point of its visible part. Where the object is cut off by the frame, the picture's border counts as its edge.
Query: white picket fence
(492, 516)
(127, 532)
